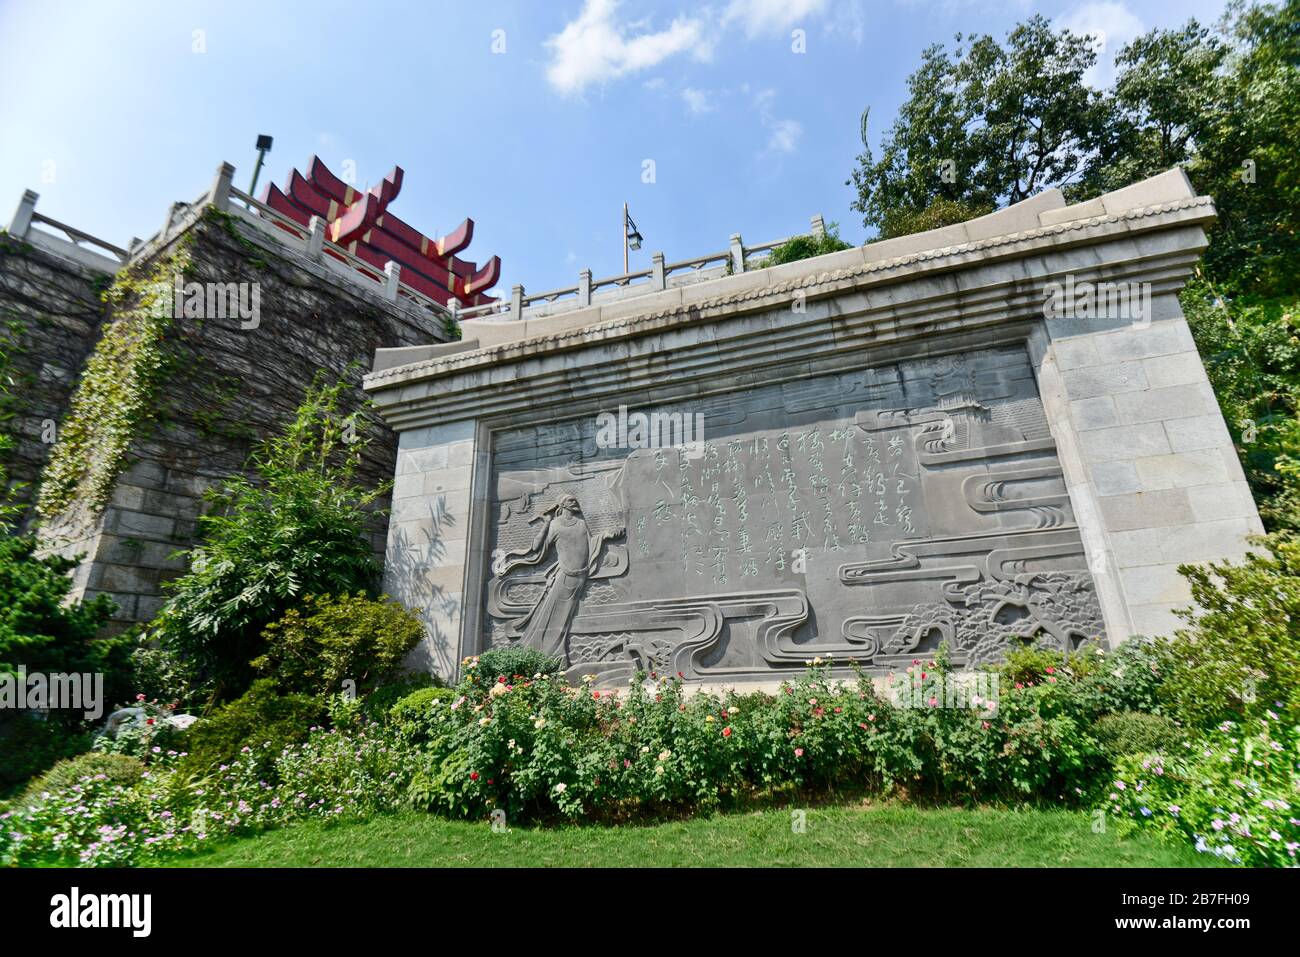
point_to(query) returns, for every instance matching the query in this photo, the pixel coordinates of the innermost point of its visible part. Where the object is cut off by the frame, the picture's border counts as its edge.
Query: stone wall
(1051, 505)
(228, 386)
(50, 315)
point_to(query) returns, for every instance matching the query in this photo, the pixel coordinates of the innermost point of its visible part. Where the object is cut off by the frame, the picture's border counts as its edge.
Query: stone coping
(1158, 202)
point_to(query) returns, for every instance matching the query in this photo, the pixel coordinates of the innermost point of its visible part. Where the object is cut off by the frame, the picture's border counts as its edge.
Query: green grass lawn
(886, 836)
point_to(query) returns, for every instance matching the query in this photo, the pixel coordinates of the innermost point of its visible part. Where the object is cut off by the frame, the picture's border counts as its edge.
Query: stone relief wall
(864, 516)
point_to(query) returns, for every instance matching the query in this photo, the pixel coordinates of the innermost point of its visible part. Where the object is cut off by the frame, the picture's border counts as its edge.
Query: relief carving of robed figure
(577, 553)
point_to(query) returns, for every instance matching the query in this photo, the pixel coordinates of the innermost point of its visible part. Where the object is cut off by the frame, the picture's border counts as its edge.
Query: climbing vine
(118, 389)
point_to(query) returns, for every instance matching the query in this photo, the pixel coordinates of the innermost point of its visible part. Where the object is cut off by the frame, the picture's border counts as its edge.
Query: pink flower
(798, 752)
(726, 732)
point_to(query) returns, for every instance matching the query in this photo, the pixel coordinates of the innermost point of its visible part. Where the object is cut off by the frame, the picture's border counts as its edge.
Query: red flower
(473, 775)
(501, 679)
(680, 675)
(490, 781)
(150, 721)
(726, 732)
(838, 710)
(596, 695)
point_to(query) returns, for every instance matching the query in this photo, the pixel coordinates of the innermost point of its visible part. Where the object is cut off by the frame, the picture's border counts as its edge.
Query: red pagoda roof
(362, 224)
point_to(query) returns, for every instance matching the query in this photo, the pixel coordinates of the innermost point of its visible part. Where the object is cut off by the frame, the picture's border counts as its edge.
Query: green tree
(295, 527)
(986, 125)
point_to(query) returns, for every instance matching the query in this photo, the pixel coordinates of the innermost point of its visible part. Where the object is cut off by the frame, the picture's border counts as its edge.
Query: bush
(1231, 793)
(1241, 654)
(31, 744)
(153, 734)
(413, 716)
(298, 528)
(1134, 732)
(378, 705)
(510, 663)
(1132, 675)
(261, 721)
(116, 769)
(806, 247)
(42, 632)
(313, 649)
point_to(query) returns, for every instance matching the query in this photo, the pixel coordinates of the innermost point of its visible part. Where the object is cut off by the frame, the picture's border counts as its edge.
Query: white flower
(539, 723)
(645, 749)
(561, 788)
(665, 754)
(484, 722)
(733, 710)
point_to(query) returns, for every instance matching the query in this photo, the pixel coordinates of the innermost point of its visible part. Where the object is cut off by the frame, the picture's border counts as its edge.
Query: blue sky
(111, 114)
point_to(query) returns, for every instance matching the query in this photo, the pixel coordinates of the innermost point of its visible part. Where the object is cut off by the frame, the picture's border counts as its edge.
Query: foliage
(1240, 654)
(941, 212)
(1135, 732)
(1131, 676)
(117, 390)
(32, 743)
(806, 247)
(260, 723)
(41, 630)
(1009, 119)
(1251, 349)
(1231, 794)
(518, 662)
(314, 648)
(1250, 161)
(297, 529)
(330, 775)
(379, 703)
(116, 768)
(152, 735)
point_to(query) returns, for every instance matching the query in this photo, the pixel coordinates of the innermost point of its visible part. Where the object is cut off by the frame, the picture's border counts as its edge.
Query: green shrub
(31, 744)
(298, 528)
(510, 663)
(146, 738)
(806, 247)
(261, 720)
(1231, 792)
(1132, 675)
(1240, 655)
(378, 704)
(414, 715)
(1135, 732)
(314, 648)
(116, 768)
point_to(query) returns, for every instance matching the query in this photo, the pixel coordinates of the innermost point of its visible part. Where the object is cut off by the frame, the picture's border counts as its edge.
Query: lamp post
(263, 147)
(631, 238)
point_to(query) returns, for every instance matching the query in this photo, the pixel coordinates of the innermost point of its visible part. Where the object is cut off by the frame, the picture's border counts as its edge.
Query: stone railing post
(516, 301)
(22, 220)
(819, 226)
(315, 237)
(393, 272)
(737, 253)
(584, 287)
(658, 279)
(219, 195)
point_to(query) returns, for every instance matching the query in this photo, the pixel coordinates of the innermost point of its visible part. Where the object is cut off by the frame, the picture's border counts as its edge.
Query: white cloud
(848, 20)
(769, 16)
(596, 47)
(783, 134)
(1113, 25)
(698, 101)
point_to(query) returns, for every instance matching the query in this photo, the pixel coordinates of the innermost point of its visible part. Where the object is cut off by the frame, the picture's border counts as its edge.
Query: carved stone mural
(865, 516)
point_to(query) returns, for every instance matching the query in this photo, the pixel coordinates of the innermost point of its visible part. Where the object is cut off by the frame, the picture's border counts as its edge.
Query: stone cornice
(810, 278)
